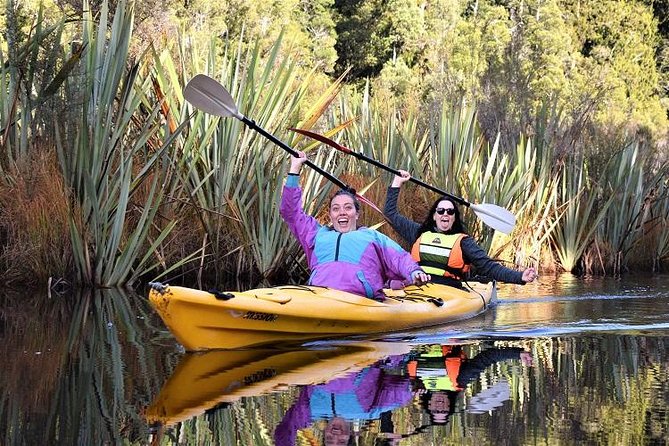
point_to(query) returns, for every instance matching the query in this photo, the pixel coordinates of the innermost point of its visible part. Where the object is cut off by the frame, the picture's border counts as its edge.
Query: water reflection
(432, 394)
(426, 384)
(100, 368)
(202, 381)
(68, 361)
(340, 396)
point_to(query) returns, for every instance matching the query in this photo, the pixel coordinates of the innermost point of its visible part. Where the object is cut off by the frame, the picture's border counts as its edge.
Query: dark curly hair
(425, 405)
(428, 223)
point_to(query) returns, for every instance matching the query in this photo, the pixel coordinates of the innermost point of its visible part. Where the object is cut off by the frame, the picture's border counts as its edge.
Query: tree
(372, 32)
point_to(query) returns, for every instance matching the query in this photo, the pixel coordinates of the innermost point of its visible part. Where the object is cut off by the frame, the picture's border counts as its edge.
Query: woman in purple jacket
(342, 255)
(364, 395)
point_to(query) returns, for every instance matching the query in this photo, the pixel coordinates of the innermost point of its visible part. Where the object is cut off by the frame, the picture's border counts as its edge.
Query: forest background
(556, 110)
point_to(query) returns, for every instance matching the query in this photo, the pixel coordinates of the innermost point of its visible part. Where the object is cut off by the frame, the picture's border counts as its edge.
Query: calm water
(565, 361)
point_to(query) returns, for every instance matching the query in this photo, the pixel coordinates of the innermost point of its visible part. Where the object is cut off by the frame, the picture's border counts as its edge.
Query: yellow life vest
(435, 378)
(440, 254)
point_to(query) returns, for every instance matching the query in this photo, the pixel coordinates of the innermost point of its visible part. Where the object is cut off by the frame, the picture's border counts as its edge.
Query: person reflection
(360, 396)
(433, 375)
(338, 432)
(440, 372)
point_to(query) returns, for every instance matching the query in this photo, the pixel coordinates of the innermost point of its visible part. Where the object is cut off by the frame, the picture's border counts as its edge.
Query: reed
(98, 151)
(34, 211)
(104, 347)
(534, 203)
(630, 184)
(582, 209)
(659, 232)
(383, 132)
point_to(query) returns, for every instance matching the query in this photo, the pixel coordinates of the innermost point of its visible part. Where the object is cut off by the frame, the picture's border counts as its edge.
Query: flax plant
(233, 174)
(661, 226)
(536, 200)
(381, 132)
(460, 160)
(582, 210)
(28, 78)
(98, 152)
(631, 185)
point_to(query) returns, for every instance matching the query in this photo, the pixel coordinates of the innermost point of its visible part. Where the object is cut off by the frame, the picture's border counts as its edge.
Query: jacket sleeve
(379, 389)
(474, 255)
(303, 226)
(296, 418)
(397, 263)
(472, 369)
(406, 228)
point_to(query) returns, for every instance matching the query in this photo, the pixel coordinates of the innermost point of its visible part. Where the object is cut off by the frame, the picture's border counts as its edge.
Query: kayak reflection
(202, 381)
(343, 390)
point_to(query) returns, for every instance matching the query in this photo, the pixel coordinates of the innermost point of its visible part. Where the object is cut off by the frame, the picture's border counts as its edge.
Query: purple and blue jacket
(359, 262)
(359, 396)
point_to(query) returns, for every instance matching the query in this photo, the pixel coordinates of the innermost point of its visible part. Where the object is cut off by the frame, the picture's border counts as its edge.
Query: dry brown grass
(34, 223)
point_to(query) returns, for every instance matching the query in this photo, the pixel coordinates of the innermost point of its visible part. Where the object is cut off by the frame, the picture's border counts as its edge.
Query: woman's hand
(529, 275)
(400, 179)
(419, 277)
(297, 161)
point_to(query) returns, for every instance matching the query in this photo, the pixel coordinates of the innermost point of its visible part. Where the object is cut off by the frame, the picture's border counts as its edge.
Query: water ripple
(581, 297)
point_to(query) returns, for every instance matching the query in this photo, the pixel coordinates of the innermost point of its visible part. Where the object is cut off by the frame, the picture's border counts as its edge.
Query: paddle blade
(495, 216)
(322, 138)
(490, 398)
(208, 95)
(368, 202)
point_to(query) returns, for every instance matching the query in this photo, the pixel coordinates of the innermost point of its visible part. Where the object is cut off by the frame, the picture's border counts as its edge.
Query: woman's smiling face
(444, 221)
(343, 214)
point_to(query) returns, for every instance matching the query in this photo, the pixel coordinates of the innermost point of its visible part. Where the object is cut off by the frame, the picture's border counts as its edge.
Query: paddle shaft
(252, 125)
(376, 163)
(492, 215)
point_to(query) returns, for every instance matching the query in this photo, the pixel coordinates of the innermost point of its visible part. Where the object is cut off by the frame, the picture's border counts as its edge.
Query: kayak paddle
(208, 95)
(492, 215)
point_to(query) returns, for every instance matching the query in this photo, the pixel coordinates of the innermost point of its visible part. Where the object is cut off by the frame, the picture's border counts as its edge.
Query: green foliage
(497, 101)
(618, 42)
(97, 156)
(309, 25)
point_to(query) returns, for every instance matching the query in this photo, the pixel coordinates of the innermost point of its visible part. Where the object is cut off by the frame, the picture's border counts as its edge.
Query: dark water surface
(564, 361)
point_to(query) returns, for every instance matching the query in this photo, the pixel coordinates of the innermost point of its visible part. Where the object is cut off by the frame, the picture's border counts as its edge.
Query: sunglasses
(449, 211)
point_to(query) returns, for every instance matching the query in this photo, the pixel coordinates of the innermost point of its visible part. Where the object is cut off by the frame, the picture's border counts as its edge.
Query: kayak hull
(200, 320)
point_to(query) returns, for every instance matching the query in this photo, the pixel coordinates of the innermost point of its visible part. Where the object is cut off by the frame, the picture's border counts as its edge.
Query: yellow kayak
(201, 320)
(206, 379)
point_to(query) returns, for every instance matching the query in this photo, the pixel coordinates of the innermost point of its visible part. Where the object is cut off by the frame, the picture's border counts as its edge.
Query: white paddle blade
(208, 95)
(495, 216)
(490, 398)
